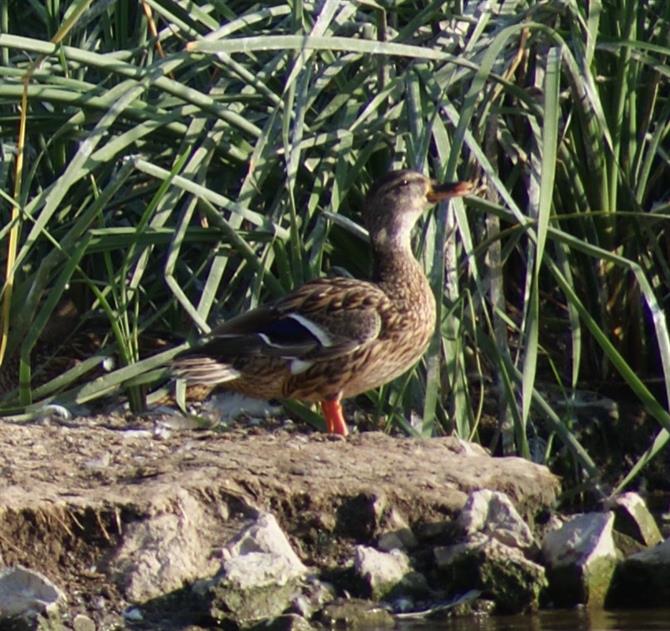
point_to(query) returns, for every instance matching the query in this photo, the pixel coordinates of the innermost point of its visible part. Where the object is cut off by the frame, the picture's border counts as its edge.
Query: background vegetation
(164, 164)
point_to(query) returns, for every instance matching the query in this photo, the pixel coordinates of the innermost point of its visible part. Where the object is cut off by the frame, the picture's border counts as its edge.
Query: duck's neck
(401, 276)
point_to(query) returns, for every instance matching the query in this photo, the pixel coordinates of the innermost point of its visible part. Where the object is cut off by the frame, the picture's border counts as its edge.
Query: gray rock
(500, 572)
(626, 546)
(260, 576)
(260, 569)
(581, 558)
(314, 594)
(133, 615)
(395, 533)
(354, 614)
(643, 580)
(26, 594)
(493, 514)
(264, 536)
(658, 555)
(227, 406)
(83, 623)
(163, 552)
(632, 518)
(387, 574)
(250, 588)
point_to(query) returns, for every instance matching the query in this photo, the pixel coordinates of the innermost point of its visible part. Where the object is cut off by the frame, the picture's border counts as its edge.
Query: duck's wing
(338, 315)
(324, 318)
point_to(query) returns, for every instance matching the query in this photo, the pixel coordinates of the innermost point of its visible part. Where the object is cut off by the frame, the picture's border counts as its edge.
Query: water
(563, 620)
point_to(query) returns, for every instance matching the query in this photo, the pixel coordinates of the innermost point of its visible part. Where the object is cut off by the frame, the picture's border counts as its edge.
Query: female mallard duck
(334, 338)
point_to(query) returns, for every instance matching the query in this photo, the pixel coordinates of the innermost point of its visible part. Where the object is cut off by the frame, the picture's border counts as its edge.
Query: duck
(335, 337)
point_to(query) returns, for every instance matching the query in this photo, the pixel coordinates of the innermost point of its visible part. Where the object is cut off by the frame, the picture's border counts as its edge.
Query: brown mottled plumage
(334, 338)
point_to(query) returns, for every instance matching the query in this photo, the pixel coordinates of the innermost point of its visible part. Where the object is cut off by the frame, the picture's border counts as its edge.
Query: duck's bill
(438, 192)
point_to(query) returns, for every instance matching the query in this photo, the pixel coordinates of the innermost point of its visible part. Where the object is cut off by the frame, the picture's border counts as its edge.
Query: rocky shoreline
(114, 522)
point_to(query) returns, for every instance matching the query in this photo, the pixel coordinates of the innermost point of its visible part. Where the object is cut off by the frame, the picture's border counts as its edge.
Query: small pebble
(83, 623)
(133, 614)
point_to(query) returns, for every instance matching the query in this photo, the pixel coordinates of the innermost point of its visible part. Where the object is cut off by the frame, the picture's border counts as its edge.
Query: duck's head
(396, 201)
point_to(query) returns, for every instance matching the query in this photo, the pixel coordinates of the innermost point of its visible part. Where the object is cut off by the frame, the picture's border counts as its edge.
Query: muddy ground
(74, 497)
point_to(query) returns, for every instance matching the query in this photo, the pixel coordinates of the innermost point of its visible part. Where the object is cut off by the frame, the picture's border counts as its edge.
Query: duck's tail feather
(203, 369)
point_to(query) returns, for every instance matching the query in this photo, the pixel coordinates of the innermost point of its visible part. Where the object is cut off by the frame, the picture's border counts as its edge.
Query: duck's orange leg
(332, 412)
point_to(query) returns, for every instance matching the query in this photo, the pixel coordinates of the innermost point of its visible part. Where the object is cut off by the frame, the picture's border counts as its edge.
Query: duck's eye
(404, 183)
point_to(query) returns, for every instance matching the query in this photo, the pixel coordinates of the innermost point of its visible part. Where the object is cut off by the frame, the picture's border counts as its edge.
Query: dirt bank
(73, 494)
